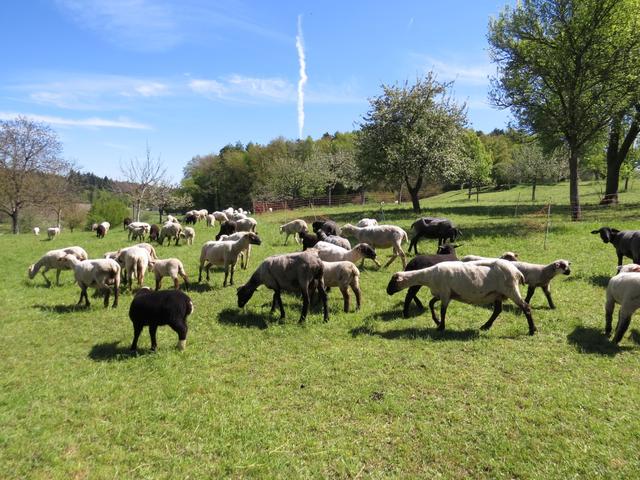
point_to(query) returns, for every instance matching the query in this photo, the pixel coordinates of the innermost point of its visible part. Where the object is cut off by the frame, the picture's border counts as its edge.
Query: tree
(142, 175)
(28, 151)
(167, 198)
(630, 166)
(410, 134)
(75, 216)
(534, 166)
(60, 194)
(565, 69)
(107, 206)
(478, 163)
(291, 177)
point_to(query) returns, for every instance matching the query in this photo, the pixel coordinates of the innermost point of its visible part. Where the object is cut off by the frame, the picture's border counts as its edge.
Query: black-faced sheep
(622, 289)
(309, 240)
(126, 222)
(626, 242)
(227, 228)
(294, 227)
(441, 229)
(169, 267)
(327, 226)
(153, 309)
(100, 274)
(50, 261)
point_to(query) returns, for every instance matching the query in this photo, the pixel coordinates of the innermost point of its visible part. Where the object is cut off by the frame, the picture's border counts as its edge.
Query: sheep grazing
(225, 253)
(299, 273)
(53, 232)
(169, 267)
(126, 222)
(220, 216)
(154, 232)
(136, 226)
(623, 290)
(50, 261)
(441, 229)
(509, 256)
(227, 228)
(100, 274)
(445, 253)
(135, 261)
(190, 219)
(245, 254)
(327, 226)
(189, 234)
(626, 242)
(343, 275)
(153, 309)
(246, 225)
(292, 228)
(333, 253)
(137, 233)
(101, 231)
(367, 222)
(469, 283)
(308, 240)
(541, 275)
(170, 231)
(382, 236)
(336, 240)
(172, 219)
(36, 230)
(211, 220)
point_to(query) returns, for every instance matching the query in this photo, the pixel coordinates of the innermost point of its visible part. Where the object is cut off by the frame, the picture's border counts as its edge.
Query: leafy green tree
(535, 166)
(623, 131)
(478, 163)
(565, 69)
(107, 206)
(411, 134)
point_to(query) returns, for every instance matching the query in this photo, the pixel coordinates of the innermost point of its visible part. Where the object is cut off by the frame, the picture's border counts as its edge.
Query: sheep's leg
(345, 297)
(530, 291)
(158, 282)
(152, 333)
(295, 237)
(107, 294)
(608, 316)
(57, 277)
(42, 272)
(374, 261)
(233, 270)
(226, 275)
(279, 299)
(246, 262)
(411, 296)
(305, 303)
(355, 286)
(434, 315)
(200, 271)
(137, 330)
(181, 330)
(286, 238)
(323, 298)
(115, 296)
(443, 314)
(274, 302)
(526, 308)
(624, 319)
(393, 257)
(619, 258)
(547, 293)
(186, 281)
(176, 283)
(81, 297)
(497, 308)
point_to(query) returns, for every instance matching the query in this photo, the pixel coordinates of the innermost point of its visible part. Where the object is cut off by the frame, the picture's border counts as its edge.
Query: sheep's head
(562, 266)
(629, 268)
(31, 271)
(447, 249)
(605, 233)
(395, 284)
(366, 250)
(244, 293)
(254, 239)
(143, 291)
(510, 256)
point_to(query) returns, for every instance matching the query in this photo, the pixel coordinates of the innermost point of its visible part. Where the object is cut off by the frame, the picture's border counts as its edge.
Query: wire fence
(263, 206)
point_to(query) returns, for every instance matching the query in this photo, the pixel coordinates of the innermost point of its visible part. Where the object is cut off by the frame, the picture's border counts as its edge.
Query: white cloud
(303, 76)
(207, 87)
(93, 122)
(153, 89)
(469, 75)
(241, 88)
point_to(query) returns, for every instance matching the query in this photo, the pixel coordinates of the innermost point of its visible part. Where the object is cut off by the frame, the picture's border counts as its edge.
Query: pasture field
(367, 395)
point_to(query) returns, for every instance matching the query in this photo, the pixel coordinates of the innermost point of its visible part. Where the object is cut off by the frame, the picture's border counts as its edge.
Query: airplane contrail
(303, 76)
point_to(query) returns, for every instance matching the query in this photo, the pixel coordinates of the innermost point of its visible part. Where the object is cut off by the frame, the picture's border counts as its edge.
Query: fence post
(517, 203)
(546, 232)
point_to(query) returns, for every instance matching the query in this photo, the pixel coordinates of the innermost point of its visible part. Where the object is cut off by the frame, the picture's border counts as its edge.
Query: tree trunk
(329, 195)
(59, 213)
(138, 203)
(14, 221)
(574, 198)
(533, 191)
(477, 193)
(616, 155)
(414, 191)
(469, 192)
(160, 212)
(626, 182)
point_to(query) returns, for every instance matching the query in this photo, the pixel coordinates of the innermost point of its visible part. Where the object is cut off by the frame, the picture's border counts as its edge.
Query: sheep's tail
(405, 236)
(115, 275)
(181, 270)
(140, 270)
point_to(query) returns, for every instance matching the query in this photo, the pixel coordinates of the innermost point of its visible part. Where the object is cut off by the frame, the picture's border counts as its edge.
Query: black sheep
(327, 226)
(446, 253)
(190, 219)
(154, 232)
(164, 307)
(126, 222)
(627, 242)
(308, 240)
(101, 231)
(441, 229)
(227, 228)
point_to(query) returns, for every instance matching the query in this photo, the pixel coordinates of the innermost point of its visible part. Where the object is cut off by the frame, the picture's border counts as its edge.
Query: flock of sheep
(327, 260)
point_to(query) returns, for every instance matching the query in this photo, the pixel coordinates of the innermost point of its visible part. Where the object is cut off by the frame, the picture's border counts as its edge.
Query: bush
(107, 206)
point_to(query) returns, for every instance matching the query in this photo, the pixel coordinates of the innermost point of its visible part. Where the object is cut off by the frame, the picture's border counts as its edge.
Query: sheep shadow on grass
(109, 351)
(60, 309)
(413, 333)
(594, 341)
(599, 280)
(198, 287)
(239, 318)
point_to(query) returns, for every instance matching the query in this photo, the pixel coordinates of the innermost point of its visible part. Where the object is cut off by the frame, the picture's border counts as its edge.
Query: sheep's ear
(595, 232)
(614, 230)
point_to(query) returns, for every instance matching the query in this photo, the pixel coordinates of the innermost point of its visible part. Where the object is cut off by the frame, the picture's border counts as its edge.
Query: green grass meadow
(366, 395)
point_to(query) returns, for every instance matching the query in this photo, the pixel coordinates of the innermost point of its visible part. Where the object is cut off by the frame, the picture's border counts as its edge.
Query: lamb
(220, 216)
(170, 230)
(541, 275)
(211, 220)
(626, 242)
(333, 253)
(101, 231)
(441, 229)
(154, 232)
(202, 214)
(190, 219)
(137, 233)
(343, 275)
(36, 230)
(299, 273)
(50, 260)
(99, 274)
(153, 309)
(106, 226)
(623, 290)
(292, 228)
(336, 240)
(135, 226)
(246, 225)
(189, 235)
(367, 222)
(327, 226)
(445, 253)
(469, 283)
(227, 228)
(245, 254)
(382, 236)
(135, 261)
(53, 232)
(225, 253)
(308, 240)
(126, 222)
(169, 267)
(510, 256)
(172, 219)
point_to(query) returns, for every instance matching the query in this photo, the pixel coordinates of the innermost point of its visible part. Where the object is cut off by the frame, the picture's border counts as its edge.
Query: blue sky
(187, 77)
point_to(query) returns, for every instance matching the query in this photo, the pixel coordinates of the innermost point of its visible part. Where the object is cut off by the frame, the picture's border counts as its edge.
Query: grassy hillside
(368, 394)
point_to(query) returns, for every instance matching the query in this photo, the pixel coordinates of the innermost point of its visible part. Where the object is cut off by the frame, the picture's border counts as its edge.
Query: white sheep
(510, 256)
(169, 267)
(36, 230)
(50, 260)
(133, 226)
(53, 232)
(467, 282)
(99, 274)
(245, 254)
(211, 220)
(225, 253)
(333, 253)
(237, 216)
(135, 261)
(172, 219)
(382, 236)
(137, 232)
(367, 222)
(246, 225)
(220, 216)
(292, 228)
(343, 275)
(622, 289)
(189, 234)
(106, 226)
(170, 230)
(335, 239)
(541, 275)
